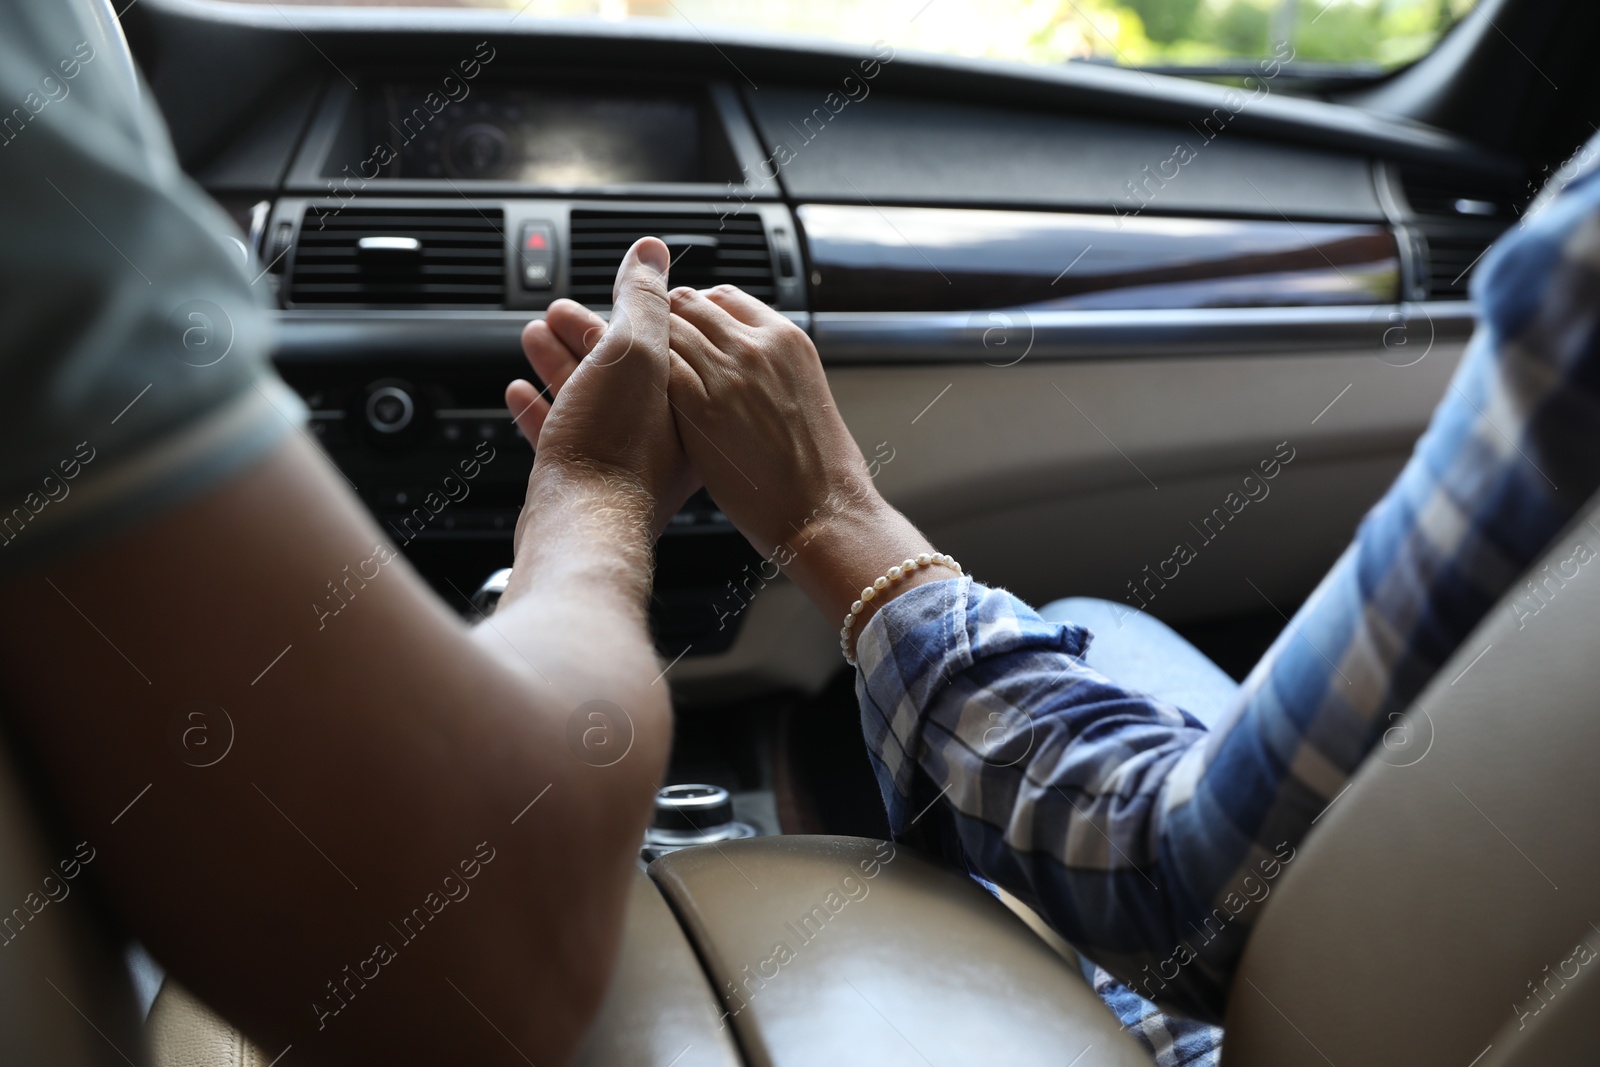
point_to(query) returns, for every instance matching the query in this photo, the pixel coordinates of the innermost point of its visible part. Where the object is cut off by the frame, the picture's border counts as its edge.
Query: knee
(1087, 611)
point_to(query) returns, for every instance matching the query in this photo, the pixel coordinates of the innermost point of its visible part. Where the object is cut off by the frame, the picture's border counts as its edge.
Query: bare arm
(402, 856)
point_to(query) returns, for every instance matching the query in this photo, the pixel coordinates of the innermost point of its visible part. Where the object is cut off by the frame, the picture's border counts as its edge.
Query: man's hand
(609, 421)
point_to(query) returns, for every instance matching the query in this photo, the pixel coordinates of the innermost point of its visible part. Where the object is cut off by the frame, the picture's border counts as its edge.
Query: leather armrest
(842, 950)
(660, 1009)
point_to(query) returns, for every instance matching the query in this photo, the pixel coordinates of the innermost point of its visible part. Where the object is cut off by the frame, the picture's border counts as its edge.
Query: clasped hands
(683, 387)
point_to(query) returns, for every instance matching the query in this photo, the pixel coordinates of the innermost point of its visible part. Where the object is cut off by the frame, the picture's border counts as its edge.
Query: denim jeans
(1137, 650)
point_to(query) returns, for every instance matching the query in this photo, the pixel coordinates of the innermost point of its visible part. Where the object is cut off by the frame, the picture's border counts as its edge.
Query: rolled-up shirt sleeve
(133, 341)
(988, 734)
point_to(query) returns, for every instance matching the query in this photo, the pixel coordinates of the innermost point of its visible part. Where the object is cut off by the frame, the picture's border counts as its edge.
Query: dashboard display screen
(537, 136)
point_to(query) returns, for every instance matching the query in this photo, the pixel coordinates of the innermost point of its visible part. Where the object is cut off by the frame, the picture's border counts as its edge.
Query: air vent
(1454, 195)
(1451, 260)
(707, 250)
(362, 257)
(1460, 214)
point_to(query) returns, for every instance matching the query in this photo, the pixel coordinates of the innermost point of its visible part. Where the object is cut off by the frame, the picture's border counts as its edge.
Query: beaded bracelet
(870, 593)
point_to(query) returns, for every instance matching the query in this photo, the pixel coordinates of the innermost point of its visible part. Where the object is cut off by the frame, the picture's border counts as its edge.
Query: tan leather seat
(64, 994)
(1420, 922)
(185, 1033)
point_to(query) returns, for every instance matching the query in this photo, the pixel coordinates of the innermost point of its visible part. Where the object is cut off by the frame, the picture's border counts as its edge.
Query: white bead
(870, 593)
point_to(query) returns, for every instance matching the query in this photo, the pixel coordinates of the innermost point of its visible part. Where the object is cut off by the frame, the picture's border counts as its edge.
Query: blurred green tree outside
(1373, 34)
(1385, 33)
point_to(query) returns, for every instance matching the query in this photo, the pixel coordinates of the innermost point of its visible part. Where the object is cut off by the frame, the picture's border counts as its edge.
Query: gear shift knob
(690, 814)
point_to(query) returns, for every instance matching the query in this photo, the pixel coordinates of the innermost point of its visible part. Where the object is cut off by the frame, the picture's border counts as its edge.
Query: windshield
(1351, 37)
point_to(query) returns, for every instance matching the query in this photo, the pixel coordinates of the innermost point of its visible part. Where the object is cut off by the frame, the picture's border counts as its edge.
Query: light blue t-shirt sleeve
(133, 344)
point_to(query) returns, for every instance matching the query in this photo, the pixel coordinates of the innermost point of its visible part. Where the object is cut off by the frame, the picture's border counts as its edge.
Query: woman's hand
(758, 421)
(607, 418)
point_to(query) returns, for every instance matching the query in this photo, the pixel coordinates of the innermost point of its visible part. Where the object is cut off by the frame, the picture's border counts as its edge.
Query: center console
(428, 445)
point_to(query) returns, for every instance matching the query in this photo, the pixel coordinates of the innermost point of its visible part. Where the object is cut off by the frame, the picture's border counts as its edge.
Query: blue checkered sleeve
(1142, 838)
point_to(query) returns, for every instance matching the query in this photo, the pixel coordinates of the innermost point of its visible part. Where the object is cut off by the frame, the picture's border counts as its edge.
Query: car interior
(1064, 309)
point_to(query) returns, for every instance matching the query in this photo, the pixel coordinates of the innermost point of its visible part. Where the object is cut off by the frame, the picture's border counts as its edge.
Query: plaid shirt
(1142, 838)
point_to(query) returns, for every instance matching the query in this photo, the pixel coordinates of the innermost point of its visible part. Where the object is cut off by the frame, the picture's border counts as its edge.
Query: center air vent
(707, 250)
(361, 257)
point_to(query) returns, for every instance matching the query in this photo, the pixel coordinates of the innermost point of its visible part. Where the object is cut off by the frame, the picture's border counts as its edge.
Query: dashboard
(417, 185)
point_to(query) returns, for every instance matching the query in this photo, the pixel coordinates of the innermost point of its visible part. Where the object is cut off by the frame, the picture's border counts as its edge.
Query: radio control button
(390, 409)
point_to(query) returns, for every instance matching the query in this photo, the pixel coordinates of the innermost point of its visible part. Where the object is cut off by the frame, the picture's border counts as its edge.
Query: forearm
(581, 581)
(585, 533)
(376, 748)
(580, 584)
